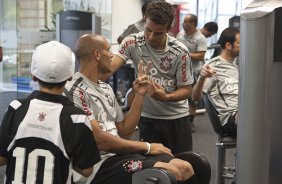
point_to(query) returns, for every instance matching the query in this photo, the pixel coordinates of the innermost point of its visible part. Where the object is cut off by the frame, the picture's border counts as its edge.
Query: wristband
(149, 148)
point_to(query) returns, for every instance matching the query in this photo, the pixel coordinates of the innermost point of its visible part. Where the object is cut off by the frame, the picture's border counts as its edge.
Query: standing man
(209, 29)
(136, 27)
(44, 137)
(196, 43)
(220, 80)
(164, 117)
(112, 129)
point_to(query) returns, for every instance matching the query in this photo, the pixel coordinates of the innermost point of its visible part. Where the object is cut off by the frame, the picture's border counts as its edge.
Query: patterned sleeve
(184, 74)
(125, 47)
(81, 100)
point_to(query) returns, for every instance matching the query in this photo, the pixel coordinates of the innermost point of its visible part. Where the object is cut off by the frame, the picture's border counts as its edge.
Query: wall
(124, 13)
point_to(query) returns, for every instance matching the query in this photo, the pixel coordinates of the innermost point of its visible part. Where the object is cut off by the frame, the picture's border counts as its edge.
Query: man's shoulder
(132, 40)
(178, 45)
(180, 34)
(76, 79)
(200, 34)
(214, 61)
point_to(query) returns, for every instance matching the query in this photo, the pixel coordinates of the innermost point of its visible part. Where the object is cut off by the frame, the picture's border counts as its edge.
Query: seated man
(219, 79)
(121, 157)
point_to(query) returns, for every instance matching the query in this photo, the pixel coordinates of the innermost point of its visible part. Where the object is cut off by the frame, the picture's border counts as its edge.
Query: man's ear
(97, 54)
(228, 45)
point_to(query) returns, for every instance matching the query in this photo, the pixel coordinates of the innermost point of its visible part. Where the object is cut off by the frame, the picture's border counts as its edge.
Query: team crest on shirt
(166, 63)
(41, 116)
(132, 165)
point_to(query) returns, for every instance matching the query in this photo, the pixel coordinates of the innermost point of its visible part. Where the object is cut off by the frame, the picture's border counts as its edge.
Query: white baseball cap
(52, 62)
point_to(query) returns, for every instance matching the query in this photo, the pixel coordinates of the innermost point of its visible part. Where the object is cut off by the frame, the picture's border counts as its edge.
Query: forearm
(197, 56)
(113, 144)
(83, 172)
(197, 91)
(182, 93)
(131, 119)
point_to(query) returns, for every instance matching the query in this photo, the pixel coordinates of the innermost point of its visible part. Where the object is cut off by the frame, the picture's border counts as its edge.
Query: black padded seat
(224, 142)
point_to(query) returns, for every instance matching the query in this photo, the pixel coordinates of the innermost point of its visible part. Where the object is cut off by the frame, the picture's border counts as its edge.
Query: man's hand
(207, 72)
(142, 84)
(157, 148)
(157, 92)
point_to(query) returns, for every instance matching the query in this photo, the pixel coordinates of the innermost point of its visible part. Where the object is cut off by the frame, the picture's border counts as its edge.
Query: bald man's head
(86, 44)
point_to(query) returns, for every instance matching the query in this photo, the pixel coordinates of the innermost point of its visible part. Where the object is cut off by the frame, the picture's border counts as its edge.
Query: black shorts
(119, 168)
(230, 128)
(174, 134)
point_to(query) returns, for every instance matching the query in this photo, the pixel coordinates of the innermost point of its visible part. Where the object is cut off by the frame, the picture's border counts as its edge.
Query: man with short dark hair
(44, 137)
(164, 117)
(209, 29)
(219, 78)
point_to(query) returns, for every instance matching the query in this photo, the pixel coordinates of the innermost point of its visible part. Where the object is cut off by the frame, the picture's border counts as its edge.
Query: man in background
(196, 43)
(219, 78)
(136, 27)
(209, 29)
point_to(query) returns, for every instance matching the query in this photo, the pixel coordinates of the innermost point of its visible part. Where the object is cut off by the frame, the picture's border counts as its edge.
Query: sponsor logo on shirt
(83, 103)
(183, 68)
(125, 45)
(166, 83)
(232, 84)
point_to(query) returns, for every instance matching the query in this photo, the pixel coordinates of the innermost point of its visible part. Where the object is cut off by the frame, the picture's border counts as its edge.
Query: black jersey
(42, 137)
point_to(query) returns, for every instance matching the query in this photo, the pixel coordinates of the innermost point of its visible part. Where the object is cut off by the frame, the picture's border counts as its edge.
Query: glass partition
(24, 24)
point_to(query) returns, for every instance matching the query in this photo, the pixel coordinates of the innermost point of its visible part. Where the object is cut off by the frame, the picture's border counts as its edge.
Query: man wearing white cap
(44, 137)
